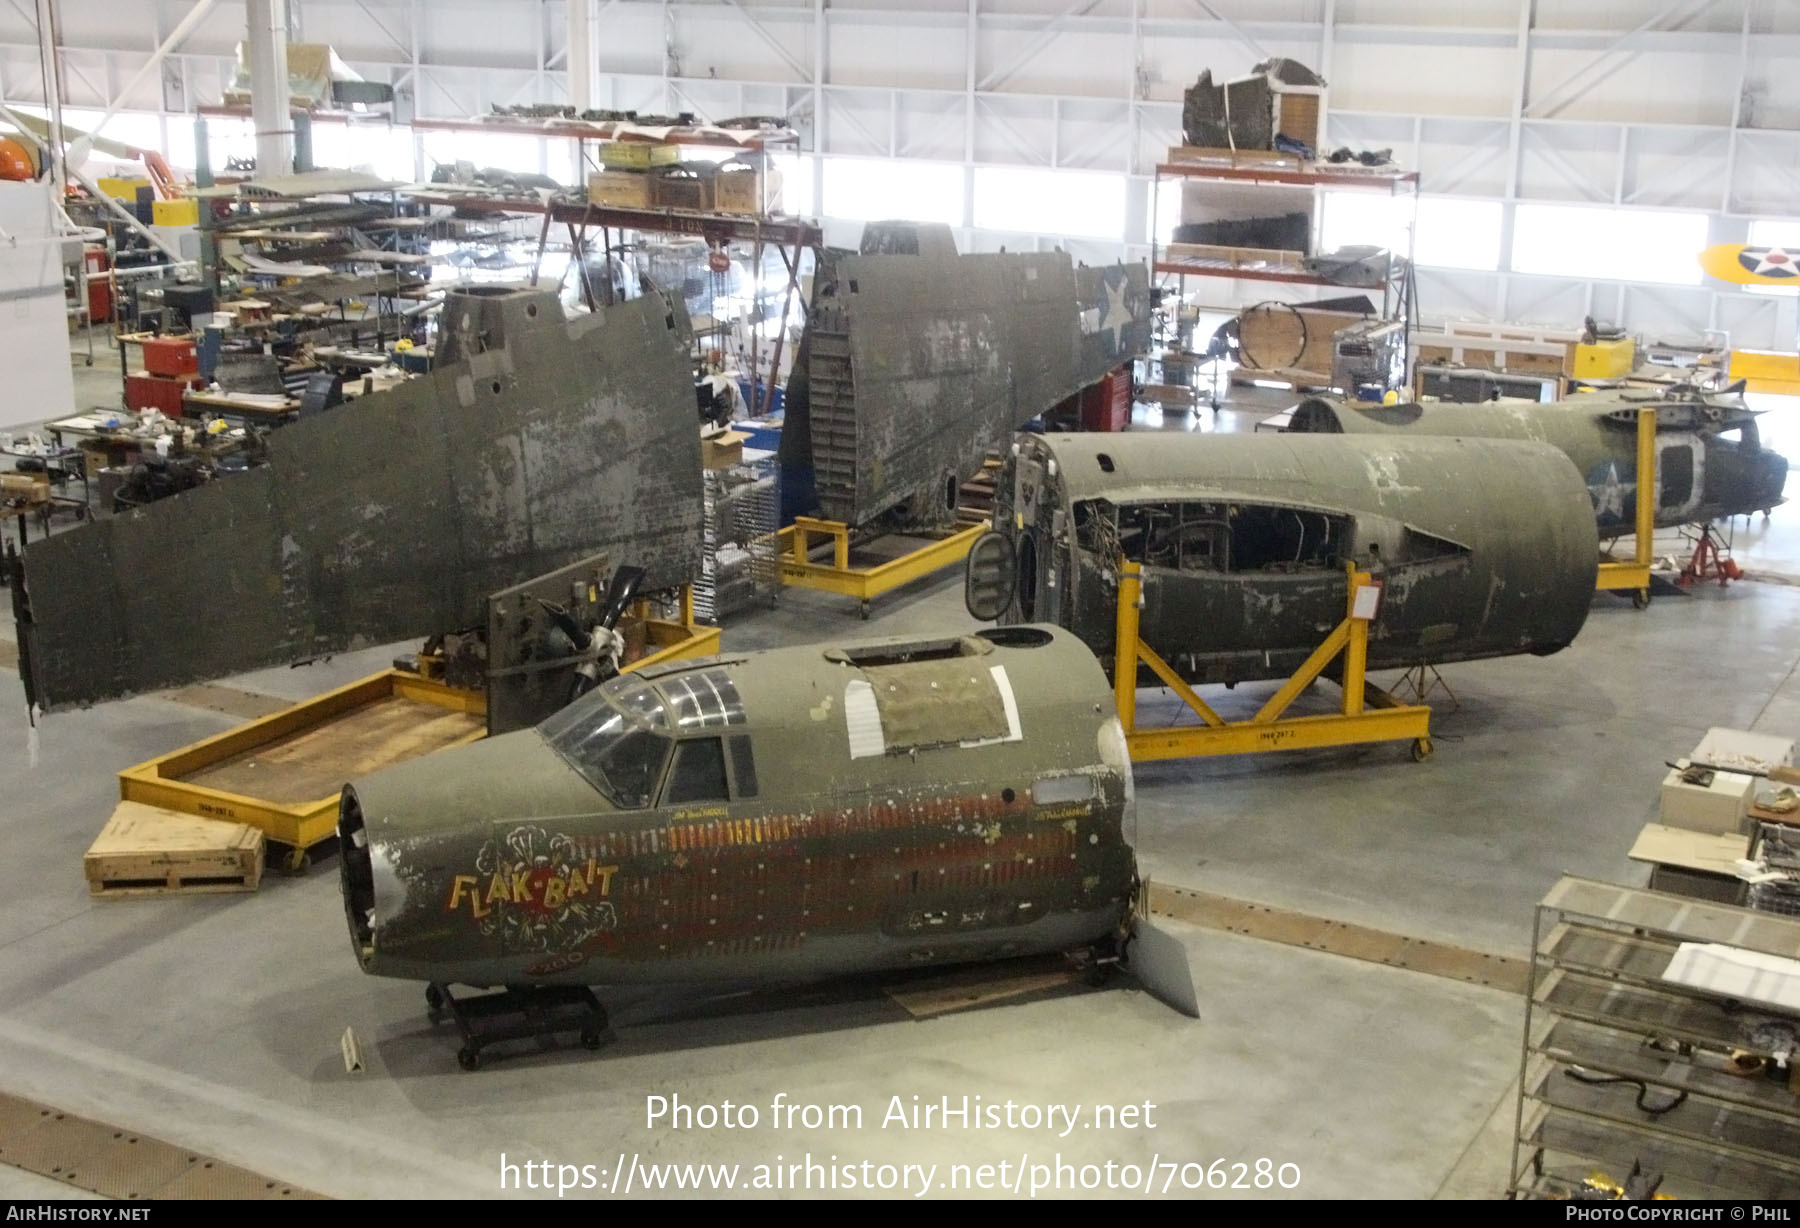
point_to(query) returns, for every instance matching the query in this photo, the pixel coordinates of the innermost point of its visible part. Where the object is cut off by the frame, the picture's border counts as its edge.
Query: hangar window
(1675, 472)
(699, 772)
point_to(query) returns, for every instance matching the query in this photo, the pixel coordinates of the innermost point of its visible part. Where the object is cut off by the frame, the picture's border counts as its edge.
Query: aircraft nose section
(358, 873)
(398, 827)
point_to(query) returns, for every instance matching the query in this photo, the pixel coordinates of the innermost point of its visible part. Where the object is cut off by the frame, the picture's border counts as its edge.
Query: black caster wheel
(1640, 599)
(1422, 749)
(434, 1003)
(590, 1038)
(864, 611)
(468, 1059)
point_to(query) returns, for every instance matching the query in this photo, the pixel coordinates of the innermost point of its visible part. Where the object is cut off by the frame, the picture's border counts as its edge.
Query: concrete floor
(214, 1021)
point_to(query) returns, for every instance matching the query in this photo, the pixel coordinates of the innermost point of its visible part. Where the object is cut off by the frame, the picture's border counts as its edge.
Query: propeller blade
(624, 587)
(1160, 963)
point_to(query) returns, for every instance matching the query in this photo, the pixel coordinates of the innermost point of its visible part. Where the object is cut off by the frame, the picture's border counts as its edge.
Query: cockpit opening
(1213, 537)
(916, 650)
(617, 739)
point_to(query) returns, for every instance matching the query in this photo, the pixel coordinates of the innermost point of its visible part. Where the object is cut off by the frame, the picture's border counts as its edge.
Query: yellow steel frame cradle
(299, 826)
(1635, 575)
(1368, 714)
(863, 583)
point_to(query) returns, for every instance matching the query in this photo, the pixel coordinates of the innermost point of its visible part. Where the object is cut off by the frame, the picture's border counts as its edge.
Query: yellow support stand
(1635, 575)
(863, 583)
(1369, 714)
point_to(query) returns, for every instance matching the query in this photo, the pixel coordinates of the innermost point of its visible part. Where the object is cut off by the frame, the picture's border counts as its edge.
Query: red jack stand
(1712, 560)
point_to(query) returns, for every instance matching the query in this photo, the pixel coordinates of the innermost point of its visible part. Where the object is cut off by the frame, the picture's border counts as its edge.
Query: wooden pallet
(146, 850)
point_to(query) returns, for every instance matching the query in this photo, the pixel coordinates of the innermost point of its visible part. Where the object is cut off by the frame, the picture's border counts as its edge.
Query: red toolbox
(1106, 406)
(146, 391)
(171, 356)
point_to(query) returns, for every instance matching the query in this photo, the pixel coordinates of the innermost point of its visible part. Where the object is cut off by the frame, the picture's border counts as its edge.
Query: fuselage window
(743, 765)
(1677, 476)
(698, 774)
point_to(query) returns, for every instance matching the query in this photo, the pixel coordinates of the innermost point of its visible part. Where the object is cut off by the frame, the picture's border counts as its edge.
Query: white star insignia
(1774, 261)
(1118, 316)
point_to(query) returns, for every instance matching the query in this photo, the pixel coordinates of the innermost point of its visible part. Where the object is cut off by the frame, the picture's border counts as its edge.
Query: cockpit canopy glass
(617, 738)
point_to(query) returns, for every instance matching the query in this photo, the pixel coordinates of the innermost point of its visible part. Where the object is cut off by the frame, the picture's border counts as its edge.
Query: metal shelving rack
(1599, 1007)
(741, 507)
(789, 236)
(1282, 173)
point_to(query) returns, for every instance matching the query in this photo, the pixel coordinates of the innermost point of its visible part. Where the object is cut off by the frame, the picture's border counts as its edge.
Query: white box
(1718, 808)
(1735, 748)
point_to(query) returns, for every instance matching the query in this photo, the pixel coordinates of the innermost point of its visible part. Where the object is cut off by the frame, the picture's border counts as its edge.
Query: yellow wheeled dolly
(863, 583)
(1635, 575)
(1369, 714)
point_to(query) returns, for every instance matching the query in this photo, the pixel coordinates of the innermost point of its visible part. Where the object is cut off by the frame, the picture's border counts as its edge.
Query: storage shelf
(1222, 268)
(1600, 1007)
(618, 130)
(782, 231)
(1386, 181)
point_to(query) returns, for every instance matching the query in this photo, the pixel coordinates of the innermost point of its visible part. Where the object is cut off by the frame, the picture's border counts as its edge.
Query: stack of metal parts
(739, 563)
(1778, 866)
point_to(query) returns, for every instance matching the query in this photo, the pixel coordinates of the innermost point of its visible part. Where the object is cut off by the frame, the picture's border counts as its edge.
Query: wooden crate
(747, 185)
(686, 185)
(1497, 347)
(1296, 340)
(1270, 259)
(146, 850)
(637, 155)
(621, 189)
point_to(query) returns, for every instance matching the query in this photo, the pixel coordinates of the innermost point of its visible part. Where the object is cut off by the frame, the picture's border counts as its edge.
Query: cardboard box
(1718, 808)
(621, 189)
(723, 450)
(25, 488)
(1736, 748)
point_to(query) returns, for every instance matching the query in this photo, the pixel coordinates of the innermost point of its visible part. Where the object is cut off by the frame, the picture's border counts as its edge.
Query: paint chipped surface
(395, 517)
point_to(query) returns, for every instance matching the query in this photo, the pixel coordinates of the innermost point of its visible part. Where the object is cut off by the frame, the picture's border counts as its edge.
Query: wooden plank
(146, 850)
(314, 762)
(117, 1162)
